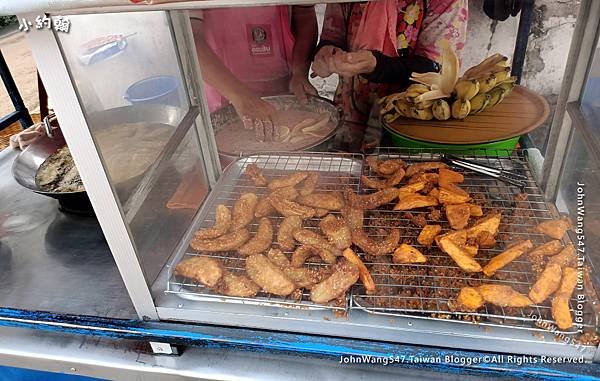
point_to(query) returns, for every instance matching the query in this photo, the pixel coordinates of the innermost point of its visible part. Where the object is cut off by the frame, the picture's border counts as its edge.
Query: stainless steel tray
(337, 170)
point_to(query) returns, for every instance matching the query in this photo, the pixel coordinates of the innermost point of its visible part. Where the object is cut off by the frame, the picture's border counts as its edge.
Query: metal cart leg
(21, 113)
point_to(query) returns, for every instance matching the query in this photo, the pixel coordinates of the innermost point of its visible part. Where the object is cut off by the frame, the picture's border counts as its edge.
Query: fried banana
(237, 285)
(448, 176)
(408, 254)
(566, 257)
(354, 217)
(290, 208)
(344, 275)
(221, 226)
(288, 181)
(458, 254)
(268, 276)
(513, 252)
(376, 246)
(336, 230)
(385, 167)
(372, 200)
(321, 212)
(554, 228)
(428, 234)
(503, 296)
(547, 283)
(228, 242)
(256, 174)
(560, 302)
(243, 211)
(458, 215)
(301, 276)
(207, 271)
(261, 241)
(364, 274)
(489, 224)
(325, 250)
(285, 237)
(301, 254)
(288, 193)
(415, 201)
(310, 183)
(263, 208)
(469, 299)
(413, 169)
(325, 200)
(547, 249)
(391, 181)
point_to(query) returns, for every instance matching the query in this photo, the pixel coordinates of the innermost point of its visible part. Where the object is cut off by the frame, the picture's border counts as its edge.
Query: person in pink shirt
(249, 52)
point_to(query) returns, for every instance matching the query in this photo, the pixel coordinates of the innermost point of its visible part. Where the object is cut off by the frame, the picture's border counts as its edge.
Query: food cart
(85, 295)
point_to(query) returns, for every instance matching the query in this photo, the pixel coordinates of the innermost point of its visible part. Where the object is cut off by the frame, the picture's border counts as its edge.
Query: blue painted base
(8, 373)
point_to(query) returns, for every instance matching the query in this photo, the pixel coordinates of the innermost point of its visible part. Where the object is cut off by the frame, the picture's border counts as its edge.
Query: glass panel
(590, 102)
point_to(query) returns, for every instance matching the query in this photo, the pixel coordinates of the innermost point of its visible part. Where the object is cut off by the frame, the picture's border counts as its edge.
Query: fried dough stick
(288, 181)
(503, 296)
(336, 230)
(261, 241)
(326, 251)
(243, 211)
(384, 167)
(310, 183)
(345, 274)
(268, 276)
(394, 179)
(325, 200)
(507, 256)
(227, 242)
(256, 174)
(221, 226)
(285, 237)
(207, 271)
(376, 247)
(560, 301)
(372, 200)
(554, 228)
(290, 208)
(547, 283)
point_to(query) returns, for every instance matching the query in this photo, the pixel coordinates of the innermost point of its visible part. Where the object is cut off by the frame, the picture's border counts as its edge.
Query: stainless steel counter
(52, 261)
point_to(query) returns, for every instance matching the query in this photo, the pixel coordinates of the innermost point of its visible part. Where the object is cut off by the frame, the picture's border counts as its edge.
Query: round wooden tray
(519, 113)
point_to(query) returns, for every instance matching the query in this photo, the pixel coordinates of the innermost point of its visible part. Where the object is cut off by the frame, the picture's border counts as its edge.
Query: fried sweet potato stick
(207, 271)
(261, 241)
(364, 274)
(448, 176)
(489, 224)
(326, 251)
(458, 254)
(560, 301)
(408, 254)
(376, 246)
(411, 189)
(227, 242)
(566, 257)
(310, 183)
(372, 200)
(469, 299)
(428, 234)
(513, 252)
(285, 237)
(458, 215)
(415, 201)
(345, 274)
(268, 276)
(546, 284)
(243, 211)
(413, 169)
(337, 231)
(256, 174)
(547, 249)
(554, 228)
(476, 210)
(449, 197)
(503, 296)
(221, 226)
(290, 208)
(288, 181)
(429, 178)
(325, 200)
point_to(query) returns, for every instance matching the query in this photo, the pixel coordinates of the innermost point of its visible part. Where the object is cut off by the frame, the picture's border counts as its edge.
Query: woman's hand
(301, 87)
(323, 62)
(352, 64)
(257, 115)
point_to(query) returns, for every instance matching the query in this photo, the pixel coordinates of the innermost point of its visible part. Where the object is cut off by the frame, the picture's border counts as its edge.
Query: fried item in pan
(221, 226)
(261, 241)
(458, 254)
(546, 284)
(303, 277)
(469, 299)
(547, 249)
(325, 200)
(268, 276)
(354, 217)
(458, 215)
(256, 174)
(337, 231)
(415, 201)
(408, 254)
(325, 250)
(237, 285)
(503, 296)
(285, 237)
(288, 193)
(364, 274)
(243, 211)
(384, 167)
(413, 169)
(428, 234)
(376, 246)
(372, 200)
(344, 275)
(566, 257)
(290, 208)
(554, 228)
(263, 208)
(228, 242)
(513, 252)
(560, 301)
(448, 176)
(288, 181)
(310, 183)
(394, 179)
(489, 224)
(207, 271)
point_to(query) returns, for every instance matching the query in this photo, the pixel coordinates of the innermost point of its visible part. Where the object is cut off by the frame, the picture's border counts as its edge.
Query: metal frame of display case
(56, 76)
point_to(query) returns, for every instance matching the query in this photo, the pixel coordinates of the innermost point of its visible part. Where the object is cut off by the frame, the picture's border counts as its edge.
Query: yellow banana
(423, 105)
(487, 84)
(507, 86)
(441, 110)
(403, 108)
(479, 102)
(496, 96)
(424, 114)
(417, 88)
(502, 74)
(391, 116)
(461, 108)
(466, 88)
(485, 66)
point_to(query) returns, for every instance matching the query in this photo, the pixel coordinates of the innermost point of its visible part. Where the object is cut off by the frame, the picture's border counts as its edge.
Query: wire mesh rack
(337, 172)
(426, 290)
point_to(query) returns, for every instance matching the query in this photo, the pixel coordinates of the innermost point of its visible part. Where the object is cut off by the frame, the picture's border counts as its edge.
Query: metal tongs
(500, 174)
